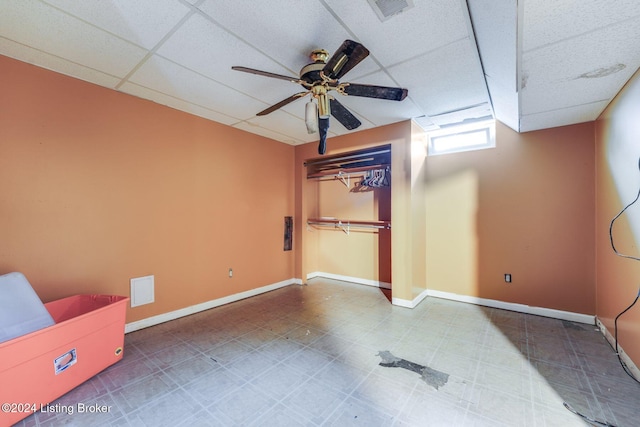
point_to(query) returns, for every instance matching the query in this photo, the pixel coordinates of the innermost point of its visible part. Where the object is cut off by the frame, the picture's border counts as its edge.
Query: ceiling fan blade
(343, 115)
(344, 59)
(266, 74)
(371, 91)
(281, 104)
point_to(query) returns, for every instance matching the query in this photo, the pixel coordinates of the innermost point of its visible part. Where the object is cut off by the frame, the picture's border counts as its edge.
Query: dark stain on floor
(432, 377)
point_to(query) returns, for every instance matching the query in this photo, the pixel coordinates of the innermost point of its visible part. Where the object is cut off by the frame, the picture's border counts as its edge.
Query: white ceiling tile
(380, 111)
(279, 120)
(45, 28)
(285, 30)
(558, 95)
(579, 71)
(577, 55)
(571, 58)
(475, 113)
(198, 45)
(166, 77)
(143, 22)
(254, 128)
(42, 59)
(562, 117)
(495, 23)
(548, 21)
(296, 129)
(423, 28)
(297, 108)
(178, 104)
(445, 80)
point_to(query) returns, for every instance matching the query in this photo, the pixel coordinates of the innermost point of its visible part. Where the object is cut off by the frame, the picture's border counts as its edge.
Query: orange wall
(618, 181)
(97, 187)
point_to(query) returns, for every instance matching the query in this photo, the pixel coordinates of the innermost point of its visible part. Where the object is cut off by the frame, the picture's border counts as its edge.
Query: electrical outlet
(231, 272)
(507, 278)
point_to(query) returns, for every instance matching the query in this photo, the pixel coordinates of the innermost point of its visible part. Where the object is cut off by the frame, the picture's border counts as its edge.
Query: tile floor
(308, 355)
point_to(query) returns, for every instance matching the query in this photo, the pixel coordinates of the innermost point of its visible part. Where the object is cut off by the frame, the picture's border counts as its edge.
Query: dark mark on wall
(432, 377)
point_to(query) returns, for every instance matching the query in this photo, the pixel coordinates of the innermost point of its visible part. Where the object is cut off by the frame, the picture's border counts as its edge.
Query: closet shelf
(346, 225)
(350, 162)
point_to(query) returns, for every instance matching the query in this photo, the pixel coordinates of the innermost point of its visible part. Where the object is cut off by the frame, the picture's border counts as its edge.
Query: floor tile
(281, 416)
(192, 369)
(501, 407)
(310, 355)
(133, 396)
(242, 406)
(172, 354)
(122, 374)
(167, 410)
(309, 361)
(429, 407)
(279, 381)
(354, 412)
(314, 400)
(383, 393)
(340, 375)
(211, 388)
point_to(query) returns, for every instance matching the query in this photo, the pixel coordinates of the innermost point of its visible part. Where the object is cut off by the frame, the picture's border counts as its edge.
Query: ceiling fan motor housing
(310, 73)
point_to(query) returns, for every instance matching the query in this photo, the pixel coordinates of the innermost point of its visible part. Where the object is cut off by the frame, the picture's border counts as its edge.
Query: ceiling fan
(322, 76)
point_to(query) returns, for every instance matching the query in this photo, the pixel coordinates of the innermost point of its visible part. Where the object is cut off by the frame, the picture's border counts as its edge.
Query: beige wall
(525, 207)
(361, 254)
(97, 187)
(618, 182)
(463, 220)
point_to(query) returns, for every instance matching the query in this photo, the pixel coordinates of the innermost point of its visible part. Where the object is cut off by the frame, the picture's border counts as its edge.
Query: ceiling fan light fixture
(320, 93)
(311, 117)
(324, 109)
(322, 76)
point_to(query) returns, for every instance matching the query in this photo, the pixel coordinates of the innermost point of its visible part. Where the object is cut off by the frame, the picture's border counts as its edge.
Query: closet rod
(348, 171)
(349, 223)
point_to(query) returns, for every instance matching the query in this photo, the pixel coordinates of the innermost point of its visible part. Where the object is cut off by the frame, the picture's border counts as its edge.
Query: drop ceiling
(531, 64)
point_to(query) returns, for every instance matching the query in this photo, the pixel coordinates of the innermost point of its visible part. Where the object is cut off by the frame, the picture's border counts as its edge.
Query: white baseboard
(521, 308)
(172, 315)
(625, 358)
(375, 283)
(368, 282)
(410, 303)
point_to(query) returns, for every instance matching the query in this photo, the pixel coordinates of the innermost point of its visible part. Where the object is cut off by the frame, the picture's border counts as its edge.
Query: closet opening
(349, 213)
